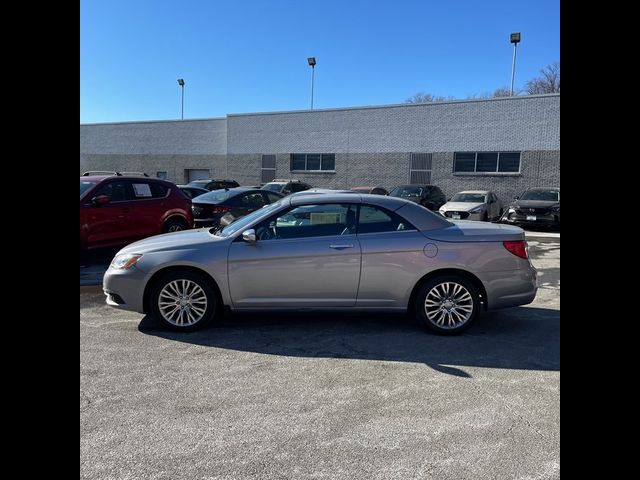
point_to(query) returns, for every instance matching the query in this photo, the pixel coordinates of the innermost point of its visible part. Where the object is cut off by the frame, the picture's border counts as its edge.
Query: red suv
(118, 209)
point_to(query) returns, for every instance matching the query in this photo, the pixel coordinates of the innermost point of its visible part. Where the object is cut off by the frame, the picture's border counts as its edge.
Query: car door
(305, 256)
(108, 223)
(148, 206)
(392, 248)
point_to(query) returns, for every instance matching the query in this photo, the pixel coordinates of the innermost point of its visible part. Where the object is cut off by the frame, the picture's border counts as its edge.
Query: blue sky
(250, 55)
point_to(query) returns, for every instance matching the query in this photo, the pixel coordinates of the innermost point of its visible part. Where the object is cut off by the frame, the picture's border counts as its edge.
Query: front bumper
(516, 218)
(125, 288)
(463, 215)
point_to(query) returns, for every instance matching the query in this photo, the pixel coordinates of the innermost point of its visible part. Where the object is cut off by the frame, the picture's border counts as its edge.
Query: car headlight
(555, 208)
(476, 210)
(125, 261)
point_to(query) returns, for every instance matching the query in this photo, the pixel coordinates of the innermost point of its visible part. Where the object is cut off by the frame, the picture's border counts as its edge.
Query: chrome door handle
(340, 247)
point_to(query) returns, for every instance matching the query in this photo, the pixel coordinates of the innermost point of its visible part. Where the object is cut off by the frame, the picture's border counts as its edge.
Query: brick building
(503, 144)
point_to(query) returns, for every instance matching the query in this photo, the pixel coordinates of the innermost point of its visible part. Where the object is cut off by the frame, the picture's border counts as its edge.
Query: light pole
(181, 83)
(312, 62)
(515, 39)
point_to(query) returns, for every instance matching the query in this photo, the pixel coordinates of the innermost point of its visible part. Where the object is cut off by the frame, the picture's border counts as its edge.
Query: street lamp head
(181, 82)
(312, 61)
(515, 37)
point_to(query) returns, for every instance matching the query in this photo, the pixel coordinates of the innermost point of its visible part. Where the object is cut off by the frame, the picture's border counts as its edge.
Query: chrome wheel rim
(175, 228)
(182, 303)
(448, 305)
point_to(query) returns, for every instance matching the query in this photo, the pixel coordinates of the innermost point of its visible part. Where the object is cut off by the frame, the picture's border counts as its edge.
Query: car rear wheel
(174, 225)
(183, 301)
(447, 305)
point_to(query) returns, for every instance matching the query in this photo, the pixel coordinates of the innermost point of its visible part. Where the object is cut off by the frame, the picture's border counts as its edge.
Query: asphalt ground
(356, 396)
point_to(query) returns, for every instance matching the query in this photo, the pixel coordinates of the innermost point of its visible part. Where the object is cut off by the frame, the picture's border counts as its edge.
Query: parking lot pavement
(334, 396)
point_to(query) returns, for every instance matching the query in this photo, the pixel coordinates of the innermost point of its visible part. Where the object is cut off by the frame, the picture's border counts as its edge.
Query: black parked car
(213, 184)
(535, 207)
(429, 196)
(192, 192)
(221, 207)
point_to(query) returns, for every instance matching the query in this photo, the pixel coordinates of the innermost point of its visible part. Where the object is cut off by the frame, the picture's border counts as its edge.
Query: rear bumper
(510, 288)
(206, 222)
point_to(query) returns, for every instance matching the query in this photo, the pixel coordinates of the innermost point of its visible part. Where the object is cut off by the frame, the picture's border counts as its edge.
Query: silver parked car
(327, 252)
(473, 205)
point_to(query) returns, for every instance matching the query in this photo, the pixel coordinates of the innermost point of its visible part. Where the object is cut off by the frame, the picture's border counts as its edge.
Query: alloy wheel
(448, 305)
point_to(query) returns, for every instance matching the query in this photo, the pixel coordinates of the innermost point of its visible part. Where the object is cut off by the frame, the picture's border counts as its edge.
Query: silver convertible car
(327, 252)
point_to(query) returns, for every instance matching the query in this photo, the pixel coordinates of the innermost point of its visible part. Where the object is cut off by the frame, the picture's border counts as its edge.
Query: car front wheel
(447, 305)
(183, 301)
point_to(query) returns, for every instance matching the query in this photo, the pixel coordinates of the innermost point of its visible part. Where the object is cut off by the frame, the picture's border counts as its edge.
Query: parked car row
(121, 207)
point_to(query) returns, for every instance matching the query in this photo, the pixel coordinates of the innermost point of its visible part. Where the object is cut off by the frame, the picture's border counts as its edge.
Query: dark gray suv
(429, 196)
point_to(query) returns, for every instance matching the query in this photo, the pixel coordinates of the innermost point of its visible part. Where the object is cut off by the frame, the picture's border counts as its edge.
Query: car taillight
(517, 247)
(220, 209)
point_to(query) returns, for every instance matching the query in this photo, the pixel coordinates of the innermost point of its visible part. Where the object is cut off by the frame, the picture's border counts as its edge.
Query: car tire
(183, 301)
(174, 225)
(447, 304)
(485, 217)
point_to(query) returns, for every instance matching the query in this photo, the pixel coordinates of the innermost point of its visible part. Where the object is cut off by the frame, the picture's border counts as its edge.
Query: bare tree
(422, 97)
(501, 92)
(548, 82)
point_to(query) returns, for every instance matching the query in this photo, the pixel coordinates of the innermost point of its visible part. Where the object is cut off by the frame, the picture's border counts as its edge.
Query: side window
(158, 190)
(376, 220)
(252, 200)
(271, 197)
(298, 187)
(116, 191)
(141, 190)
(308, 221)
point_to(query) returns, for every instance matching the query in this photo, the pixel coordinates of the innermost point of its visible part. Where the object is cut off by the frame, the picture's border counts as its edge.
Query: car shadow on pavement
(526, 338)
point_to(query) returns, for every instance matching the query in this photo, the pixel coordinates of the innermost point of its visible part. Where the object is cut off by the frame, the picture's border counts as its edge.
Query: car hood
(534, 204)
(460, 206)
(470, 231)
(173, 241)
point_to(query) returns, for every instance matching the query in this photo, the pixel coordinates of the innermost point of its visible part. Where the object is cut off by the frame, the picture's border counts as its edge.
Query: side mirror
(249, 236)
(516, 197)
(100, 200)
(449, 199)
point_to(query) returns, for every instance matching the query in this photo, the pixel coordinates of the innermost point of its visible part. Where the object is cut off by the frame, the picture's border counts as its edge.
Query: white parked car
(473, 205)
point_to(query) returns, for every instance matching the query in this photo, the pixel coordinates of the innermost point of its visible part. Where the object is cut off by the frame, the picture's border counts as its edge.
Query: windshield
(215, 196)
(241, 223)
(541, 195)
(84, 186)
(273, 187)
(406, 192)
(469, 197)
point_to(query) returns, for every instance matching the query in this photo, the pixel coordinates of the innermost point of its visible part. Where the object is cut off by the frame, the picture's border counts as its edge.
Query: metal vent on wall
(268, 168)
(420, 172)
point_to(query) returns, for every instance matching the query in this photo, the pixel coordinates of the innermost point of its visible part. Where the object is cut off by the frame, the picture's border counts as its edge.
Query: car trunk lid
(469, 231)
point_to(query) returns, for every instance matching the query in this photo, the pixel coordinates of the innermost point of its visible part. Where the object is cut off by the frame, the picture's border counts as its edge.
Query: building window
(486, 162)
(313, 162)
(420, 172)
(268, 168)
